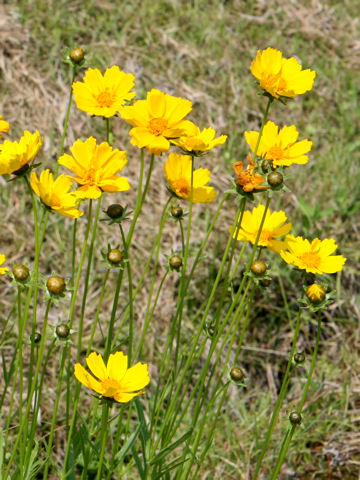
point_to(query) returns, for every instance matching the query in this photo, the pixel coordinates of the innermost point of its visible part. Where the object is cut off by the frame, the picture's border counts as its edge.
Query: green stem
(66, 121)
(104, 432)
(290, 433)
(281, 396)
(32, 390)
(87, 278)
(266, 114)
(131, 298)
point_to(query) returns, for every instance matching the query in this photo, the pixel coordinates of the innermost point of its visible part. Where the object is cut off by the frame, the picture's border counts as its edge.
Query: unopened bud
(56, 285)
(21, 272)
(258, 267)
(115, 256)
(77, 55)
(316, 293)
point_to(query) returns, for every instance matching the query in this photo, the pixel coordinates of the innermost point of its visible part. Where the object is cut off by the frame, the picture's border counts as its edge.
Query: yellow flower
(15, 155)
(281, 147)
(197, 142)
(4, 126)
(103, 95)
(273, 227)
(115, 380)
(156, 120)
(177, 171)
(314, 257)
(3, 270)
(55, 193)
(96, 167)
(281, 77)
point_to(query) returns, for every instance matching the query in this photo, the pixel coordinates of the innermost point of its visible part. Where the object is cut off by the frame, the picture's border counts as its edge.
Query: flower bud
(37, 337)
(77, 55)
(115, 210)
(236, 374)
(115, 256)
(275, 179)
(21, 273)
(258, 267)
(299, 357)
(177, 211)
(175, 262)
(62, 330)
(265, 282)
(56, 285)
(266, 166)
(316, 293)
(295, 418)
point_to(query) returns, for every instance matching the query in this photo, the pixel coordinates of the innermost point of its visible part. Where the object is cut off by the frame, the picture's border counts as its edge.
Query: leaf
(129, 444)
(170, 448)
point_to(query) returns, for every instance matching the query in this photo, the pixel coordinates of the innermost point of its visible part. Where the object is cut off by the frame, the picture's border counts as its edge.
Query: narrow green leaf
(170, 448)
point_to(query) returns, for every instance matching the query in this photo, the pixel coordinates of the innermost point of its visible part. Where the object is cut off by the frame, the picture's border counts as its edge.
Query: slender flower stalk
(281, 396)
(103, 435)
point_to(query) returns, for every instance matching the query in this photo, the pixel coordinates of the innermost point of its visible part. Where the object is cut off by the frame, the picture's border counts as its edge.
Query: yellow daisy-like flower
(55, 193)
(15, 155)
(103, 95)
(273, 227)
(114, 380)
(281, 147)
(96, 167)
(198, 142)
(4, 126)
(156, 120)
(3, 270)
(281, 77)
(314, 257)
(177, 171)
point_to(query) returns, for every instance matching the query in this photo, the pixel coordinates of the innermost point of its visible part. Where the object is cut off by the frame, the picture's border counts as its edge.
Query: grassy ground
(202, 51)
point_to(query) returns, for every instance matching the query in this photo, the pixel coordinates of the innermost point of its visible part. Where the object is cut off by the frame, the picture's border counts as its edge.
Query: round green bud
(21, 272)
(37, 337)
(258, 267)
(175, 262)
(295, 418)
(115, 210)
(77, 55)
(236, 374)
(299, 357)
(275, 179)
(115, 256)
(56, 285)
(177, 212)
(62, 330)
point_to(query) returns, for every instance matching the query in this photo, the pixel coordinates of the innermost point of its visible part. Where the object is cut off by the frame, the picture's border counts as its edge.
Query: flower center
(110, 387)
(273, 83)
(265, 236)
(181, 187)
(105, 99)
(157, 126)
(275, 153)
(90, 176)
(311, 259)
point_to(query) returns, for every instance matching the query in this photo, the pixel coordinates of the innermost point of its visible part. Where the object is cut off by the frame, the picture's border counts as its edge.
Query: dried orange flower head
(246, 178)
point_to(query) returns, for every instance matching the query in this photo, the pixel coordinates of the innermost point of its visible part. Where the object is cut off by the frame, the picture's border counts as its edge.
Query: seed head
(236, 374)
(175, 262)
(115, 256)
(115, 210)
(295, 418)
(56, 285)
(21, 273)
(258, 267)
(275, 179)
(77, 55)
(62, 330)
